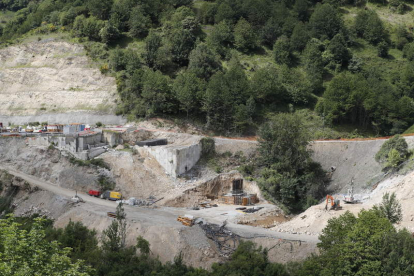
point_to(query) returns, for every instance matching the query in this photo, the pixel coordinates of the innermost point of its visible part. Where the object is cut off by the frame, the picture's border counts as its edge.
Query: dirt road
(164, 215)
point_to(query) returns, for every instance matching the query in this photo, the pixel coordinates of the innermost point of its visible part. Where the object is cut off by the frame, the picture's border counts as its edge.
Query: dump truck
(94, 193)
(111, 195)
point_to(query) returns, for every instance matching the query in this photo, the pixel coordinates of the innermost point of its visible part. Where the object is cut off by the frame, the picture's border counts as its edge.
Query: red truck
(94, 193)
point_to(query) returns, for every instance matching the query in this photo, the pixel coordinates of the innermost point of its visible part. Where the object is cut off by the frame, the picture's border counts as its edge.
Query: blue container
(82, 127)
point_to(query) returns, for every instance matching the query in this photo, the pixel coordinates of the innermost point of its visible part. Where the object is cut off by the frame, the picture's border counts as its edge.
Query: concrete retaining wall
(176, 160)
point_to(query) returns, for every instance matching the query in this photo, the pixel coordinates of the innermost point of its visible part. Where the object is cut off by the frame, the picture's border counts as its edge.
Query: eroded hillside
(47, 77)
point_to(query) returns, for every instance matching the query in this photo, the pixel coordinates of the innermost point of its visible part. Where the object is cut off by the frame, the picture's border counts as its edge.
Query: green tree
(156, 94)
(221, 38)
(390, 207)
(113, 238)
(289, 177)
(325, 22)
(374, 31)
(153, 43)
(109, 33)
(267, 87)
(313, 64)
(281, 51)
(29, 253)
(100, 8)
(143, 245)
(382, 49)
(300, 37)
(337, 48)
(203, 62)
(245, 37)
(224, 12)
(408, 51)
(139, 23)
(189, 90)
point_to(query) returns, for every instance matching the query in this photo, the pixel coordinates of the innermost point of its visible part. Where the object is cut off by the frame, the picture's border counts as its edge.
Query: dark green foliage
(221, 38)
(225, 92)
(139, 23)
(109, 33)
(208, 147)
(155, 94)
(99, 8)
(289, 176)
(397, 143)
(337, 48)
(367, 245)
(325, 22)
(203, 62)
(249, 260)
(383, 49)
(390, 208)
(152, 49)
(245, 38)
(409, 51)
(188, 89)
(300, 37)
(105, 183)
(369, 26)
(314, 64)
(281, 51)
(267, 86)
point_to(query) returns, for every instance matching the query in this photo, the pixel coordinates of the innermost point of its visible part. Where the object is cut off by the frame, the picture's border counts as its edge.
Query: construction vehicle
(77, 198)
(94, 193)
(186, 220)
(335, 204)
(111, 195)
(349, 198)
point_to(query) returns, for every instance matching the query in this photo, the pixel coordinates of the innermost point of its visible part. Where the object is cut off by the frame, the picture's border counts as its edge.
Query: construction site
(69, 169)
(179, 204)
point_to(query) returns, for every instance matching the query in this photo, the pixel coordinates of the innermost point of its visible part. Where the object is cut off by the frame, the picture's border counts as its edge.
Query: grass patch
(98, 162)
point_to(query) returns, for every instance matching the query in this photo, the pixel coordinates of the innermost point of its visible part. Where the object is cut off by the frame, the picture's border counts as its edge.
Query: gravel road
(163, 215)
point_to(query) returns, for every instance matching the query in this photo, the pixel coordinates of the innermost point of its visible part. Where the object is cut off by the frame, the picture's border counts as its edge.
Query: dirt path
(164, 215)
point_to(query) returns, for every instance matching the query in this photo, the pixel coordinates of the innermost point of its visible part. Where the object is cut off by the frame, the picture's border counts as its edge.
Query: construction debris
(225, 240)
(252, 210)
(111, 214)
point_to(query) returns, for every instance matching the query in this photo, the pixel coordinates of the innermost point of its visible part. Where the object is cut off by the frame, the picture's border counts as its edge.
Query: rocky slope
(52, 77)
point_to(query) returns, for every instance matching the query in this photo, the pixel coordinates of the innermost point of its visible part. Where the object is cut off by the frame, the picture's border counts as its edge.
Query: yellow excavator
(334, 204)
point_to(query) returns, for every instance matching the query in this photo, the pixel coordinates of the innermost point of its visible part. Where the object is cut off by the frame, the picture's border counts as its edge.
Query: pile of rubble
(140, 202)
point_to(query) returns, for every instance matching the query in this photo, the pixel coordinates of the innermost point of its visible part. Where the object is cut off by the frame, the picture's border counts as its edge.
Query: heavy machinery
(335, 204)
(349, 198)
(186, 220)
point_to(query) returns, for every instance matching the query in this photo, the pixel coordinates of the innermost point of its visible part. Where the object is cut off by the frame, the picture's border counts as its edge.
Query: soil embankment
(43, 80)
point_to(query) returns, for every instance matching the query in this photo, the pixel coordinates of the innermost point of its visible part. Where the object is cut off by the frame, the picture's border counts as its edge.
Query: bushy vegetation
(199, 60)
(288, 174)
(393, 152)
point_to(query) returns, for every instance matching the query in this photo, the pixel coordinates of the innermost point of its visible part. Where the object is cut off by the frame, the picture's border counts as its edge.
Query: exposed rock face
(52, 77)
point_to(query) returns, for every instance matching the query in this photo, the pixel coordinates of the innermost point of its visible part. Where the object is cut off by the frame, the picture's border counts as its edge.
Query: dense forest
(229, 64)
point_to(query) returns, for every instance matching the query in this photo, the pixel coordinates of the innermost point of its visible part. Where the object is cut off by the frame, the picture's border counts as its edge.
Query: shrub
(208, 147)
(390, 208)
(386, 153)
